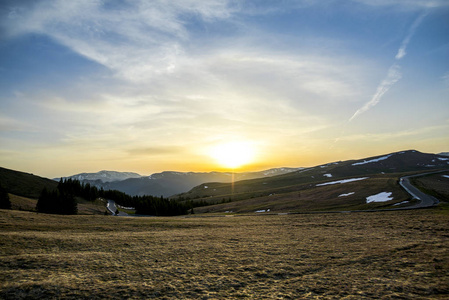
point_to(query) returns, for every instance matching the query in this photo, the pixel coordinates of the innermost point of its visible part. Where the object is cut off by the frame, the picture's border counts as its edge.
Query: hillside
(304, 189)
(24, 184)
(168, 183)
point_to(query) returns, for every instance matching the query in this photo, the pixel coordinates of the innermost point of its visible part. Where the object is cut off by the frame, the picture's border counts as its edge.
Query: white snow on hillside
(400, 203)
(443, 158)
(104, 176)
(328, 175)
(342, 181)
(381, 197)
(447, 176)
(372, 160)
(348, 194)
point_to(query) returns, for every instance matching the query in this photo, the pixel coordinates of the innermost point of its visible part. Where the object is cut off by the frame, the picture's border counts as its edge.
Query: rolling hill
(343, 185)
(24, 184)
(319, 187)
(166, 183)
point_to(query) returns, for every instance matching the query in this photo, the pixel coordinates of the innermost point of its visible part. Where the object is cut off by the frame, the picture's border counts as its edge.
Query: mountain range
(342, 185)
(166, 183)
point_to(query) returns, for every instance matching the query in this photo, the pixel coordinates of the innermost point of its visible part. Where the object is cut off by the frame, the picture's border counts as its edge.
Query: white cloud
(445, 79)
(394, 73)
(137, 40)
(406, 4)
(392, 77)
(402, 49)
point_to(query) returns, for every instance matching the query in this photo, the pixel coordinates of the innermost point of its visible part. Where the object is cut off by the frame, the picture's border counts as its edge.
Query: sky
(151, 86)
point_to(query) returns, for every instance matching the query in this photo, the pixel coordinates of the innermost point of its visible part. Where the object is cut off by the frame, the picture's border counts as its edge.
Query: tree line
(62, 200)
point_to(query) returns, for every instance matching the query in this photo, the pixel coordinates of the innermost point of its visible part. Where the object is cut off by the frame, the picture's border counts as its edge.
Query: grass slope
(319, 198)
(401, 255)
(85, 207)
(434, 184)
(24, 184)
(298, 191)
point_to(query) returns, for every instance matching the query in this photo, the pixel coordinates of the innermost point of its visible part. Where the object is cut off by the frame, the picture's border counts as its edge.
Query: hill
(306, 189)
(168, 183)
(24, 184)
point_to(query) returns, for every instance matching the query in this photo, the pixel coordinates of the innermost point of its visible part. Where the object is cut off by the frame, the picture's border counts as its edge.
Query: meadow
(381, 255)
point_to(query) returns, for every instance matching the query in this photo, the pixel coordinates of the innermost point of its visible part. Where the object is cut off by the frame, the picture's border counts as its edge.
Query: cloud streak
(394, 74)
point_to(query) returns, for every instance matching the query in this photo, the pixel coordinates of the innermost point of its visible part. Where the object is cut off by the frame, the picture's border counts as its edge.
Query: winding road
(425, 200)
(113, 208)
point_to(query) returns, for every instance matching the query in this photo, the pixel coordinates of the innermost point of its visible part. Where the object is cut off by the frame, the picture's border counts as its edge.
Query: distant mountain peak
(103, 176)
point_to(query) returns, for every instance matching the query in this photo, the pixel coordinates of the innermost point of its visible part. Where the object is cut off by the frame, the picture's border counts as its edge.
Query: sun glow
(233, 154)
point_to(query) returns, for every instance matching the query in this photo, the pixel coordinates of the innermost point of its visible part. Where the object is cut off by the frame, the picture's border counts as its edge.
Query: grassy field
(384, 255)
(309, 197)
(434, 184)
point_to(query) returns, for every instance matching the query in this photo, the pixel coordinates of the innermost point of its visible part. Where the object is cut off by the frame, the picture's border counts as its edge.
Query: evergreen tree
(5, 203)
(44, 201)
(57, 202)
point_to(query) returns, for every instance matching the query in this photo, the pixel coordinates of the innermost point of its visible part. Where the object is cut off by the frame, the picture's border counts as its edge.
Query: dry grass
(387, 255)
(435, 184)
(318, 198)
(96, 207)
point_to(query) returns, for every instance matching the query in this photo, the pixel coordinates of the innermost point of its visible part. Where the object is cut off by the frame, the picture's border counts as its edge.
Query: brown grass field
(382, 255)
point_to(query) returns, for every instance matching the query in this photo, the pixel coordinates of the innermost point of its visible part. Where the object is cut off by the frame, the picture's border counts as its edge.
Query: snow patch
(342, 181)
(262, 210)
(443, 158)
(372, 160)
(206, 187)
(446, 176)
(381, 197)
(348, 194)
(328, 175)
(400, 203)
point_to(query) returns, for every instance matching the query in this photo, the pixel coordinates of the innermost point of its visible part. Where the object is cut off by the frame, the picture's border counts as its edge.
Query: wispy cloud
(406, 4)
(401, 52)
(392, 77)
(138, 40)
(393, 74)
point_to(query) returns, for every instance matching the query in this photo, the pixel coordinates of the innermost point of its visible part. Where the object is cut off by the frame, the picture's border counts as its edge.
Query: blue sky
(147, 86)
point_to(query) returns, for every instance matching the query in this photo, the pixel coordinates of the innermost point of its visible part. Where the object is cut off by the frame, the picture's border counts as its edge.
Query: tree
(57, 202)
(5, 203)
(44, 202)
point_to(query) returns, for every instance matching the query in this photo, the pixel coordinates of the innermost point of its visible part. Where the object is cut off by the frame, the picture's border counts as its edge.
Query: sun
(233, 154)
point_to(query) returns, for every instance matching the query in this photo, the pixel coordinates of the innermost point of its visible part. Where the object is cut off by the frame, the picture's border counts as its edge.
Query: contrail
(401, 52)
(393, 76)
(394, 73)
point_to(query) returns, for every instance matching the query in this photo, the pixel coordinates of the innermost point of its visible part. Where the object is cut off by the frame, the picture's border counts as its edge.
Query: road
(113, 208)
(424, 199)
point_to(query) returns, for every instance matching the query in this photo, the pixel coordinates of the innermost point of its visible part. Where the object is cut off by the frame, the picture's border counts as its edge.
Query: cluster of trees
(5, 203)
(62, 200)
(57, 201)
(149, 205)
(83, 190)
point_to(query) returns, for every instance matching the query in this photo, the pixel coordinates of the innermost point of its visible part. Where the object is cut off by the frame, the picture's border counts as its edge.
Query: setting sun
(233, 154)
